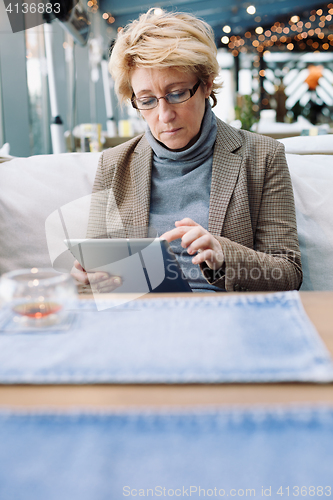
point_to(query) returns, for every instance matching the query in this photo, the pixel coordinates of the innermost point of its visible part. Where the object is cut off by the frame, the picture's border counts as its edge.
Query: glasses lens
(148, 103)
(172, 98)
(178, 97)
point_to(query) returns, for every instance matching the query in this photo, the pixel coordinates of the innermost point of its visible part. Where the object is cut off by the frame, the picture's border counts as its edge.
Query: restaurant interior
(152, 391)
(275, 58)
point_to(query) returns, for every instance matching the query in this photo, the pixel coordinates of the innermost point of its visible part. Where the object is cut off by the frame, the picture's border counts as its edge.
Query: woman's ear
(209, 86)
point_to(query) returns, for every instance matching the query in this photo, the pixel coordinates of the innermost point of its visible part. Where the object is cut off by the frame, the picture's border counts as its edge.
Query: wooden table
(319, 307)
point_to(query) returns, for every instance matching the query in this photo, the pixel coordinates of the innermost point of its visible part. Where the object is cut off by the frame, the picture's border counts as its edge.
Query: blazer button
(236, 287)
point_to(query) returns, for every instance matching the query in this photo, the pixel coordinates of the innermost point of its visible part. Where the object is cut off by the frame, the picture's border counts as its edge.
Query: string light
(93, 5)
(289, 35)
(251, 10)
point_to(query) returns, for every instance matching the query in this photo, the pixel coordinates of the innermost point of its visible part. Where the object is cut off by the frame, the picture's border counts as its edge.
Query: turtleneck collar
(194, 155)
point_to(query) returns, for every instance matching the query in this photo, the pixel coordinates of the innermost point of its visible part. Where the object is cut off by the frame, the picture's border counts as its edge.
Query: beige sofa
(44, 199)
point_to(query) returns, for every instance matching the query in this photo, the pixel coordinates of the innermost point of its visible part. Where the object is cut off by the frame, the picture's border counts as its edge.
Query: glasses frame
(192, 92)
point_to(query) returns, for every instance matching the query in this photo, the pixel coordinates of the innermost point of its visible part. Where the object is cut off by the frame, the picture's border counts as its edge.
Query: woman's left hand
(197, 239)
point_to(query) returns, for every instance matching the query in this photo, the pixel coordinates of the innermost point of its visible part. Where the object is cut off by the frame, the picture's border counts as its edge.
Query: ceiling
(217, 13)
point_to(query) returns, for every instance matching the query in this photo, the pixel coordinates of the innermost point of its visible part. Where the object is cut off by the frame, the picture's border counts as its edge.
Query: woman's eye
(146, 101)
(178, 93)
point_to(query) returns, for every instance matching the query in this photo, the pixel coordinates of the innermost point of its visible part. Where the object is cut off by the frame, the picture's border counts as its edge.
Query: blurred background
(276, 60)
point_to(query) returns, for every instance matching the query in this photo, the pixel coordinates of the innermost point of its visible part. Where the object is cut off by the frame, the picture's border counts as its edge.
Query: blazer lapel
(226, 166)
(140, 167)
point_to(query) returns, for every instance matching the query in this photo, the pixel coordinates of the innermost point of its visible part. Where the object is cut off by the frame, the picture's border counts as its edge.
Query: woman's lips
(171, 132)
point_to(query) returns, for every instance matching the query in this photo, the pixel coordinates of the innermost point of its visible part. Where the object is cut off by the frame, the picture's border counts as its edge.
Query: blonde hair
(162, 40)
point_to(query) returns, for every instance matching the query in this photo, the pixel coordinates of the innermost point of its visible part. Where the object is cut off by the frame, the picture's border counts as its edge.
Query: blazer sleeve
(274, 263)
(98, 204)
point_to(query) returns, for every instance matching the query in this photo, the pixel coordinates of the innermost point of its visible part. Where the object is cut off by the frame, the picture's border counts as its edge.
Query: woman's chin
(178, 145)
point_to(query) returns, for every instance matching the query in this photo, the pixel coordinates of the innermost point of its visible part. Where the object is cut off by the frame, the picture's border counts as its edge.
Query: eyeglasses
(176, 97)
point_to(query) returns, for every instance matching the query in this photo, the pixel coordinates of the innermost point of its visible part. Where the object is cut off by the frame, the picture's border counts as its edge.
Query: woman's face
(177, 126)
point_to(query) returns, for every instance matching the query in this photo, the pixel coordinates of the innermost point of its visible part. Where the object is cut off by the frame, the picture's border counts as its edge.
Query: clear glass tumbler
(37, 298)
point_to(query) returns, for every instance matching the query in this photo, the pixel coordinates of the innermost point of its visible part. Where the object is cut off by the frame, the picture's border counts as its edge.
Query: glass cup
(37, 298)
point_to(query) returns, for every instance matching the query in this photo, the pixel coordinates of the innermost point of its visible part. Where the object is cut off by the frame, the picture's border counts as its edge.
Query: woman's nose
(165, 111)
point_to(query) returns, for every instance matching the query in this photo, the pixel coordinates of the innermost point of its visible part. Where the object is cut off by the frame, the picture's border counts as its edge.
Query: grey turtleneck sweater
(180, 187)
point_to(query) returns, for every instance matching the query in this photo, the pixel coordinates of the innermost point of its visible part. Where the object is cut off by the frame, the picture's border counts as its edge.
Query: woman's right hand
(99, 281)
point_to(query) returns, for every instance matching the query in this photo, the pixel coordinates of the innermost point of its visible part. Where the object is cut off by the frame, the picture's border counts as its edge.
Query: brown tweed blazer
(251, 212)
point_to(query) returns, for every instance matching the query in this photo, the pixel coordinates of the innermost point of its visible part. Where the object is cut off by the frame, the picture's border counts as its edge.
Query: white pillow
(312, 178)
(31, 189)
(307, 145)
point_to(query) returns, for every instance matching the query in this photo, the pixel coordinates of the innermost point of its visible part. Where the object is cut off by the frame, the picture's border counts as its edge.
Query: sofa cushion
(45, 198)
(30, 190)
(312, 178)
(309, 145)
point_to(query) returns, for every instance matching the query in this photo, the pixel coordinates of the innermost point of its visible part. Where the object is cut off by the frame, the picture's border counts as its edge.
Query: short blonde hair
(167, 39)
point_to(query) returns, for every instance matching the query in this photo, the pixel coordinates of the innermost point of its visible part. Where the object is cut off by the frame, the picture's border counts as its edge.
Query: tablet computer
(144, 264)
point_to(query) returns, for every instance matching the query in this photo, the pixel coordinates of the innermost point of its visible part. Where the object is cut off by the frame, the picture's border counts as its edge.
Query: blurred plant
(244, 111)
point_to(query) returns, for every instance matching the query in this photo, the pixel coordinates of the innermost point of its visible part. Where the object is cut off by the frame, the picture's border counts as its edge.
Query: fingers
(197, 239)
(185, 222)
(174, 234)
(99, 281)
(204, 256)
(107, 285)
(209, 251)
(79, 274)
(214, 259)
(97, 277)
(192, 235)
(78, 266)
(182, 227)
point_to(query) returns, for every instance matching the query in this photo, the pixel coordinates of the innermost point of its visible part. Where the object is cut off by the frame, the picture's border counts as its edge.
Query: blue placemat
(276, 453)
(214, 339)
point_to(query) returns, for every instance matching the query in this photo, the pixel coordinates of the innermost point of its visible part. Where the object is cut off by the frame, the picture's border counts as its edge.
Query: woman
(221, 196)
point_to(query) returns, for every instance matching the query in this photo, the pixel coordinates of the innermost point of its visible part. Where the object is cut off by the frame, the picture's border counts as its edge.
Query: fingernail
(117, 281)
